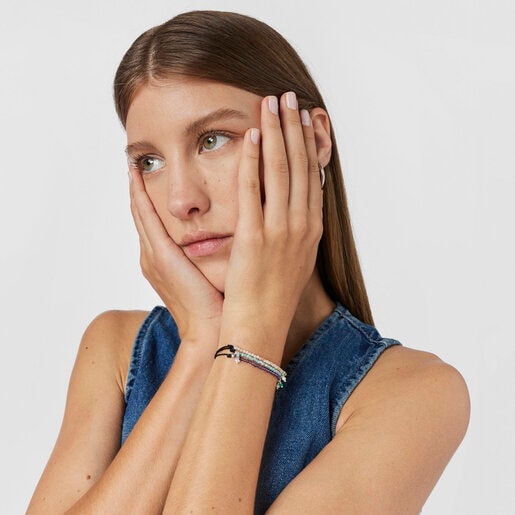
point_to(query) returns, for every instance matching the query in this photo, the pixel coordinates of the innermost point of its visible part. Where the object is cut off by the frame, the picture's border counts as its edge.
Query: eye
(213, 141)
(150, 164)
(146, 164)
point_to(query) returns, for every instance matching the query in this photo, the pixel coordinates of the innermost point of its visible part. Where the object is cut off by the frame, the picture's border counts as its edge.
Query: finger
(134, 186)
(296, 153)
(148, 223)
(315, 192)
(249, 188)
(275, 163)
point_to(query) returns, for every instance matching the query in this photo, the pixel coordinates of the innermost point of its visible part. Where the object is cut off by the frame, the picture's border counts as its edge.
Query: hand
(193, 301)
(275, 243)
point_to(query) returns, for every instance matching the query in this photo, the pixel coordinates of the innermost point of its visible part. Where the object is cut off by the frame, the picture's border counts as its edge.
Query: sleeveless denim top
(321, 376)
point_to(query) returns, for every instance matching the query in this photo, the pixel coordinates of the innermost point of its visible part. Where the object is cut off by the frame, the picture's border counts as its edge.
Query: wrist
(255, 337)
(195, 358)
(267, 315)
(200, 332)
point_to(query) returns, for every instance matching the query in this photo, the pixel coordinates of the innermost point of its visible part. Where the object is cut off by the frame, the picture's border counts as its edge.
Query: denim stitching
(137, 349)
(346, 388)
(310, 343)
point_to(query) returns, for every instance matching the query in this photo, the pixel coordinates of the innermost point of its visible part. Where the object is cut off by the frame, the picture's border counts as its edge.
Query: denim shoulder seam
(353, 322)
(137, 349)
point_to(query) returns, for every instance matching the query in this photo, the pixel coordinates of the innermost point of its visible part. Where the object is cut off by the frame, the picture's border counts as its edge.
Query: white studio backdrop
(422, 97)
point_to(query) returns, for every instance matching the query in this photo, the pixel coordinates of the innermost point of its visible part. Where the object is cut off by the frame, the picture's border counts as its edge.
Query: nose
(187, 193)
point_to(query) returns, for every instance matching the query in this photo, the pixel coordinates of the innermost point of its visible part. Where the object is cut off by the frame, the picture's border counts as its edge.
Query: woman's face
(185, 137)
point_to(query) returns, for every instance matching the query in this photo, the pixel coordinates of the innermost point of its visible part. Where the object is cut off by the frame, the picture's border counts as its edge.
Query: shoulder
(409, 376)
(108, 342)
(115, 324)
(414, 387)
(91, 428)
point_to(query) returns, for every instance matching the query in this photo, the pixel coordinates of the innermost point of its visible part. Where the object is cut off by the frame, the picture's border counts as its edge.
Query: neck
(313, 308)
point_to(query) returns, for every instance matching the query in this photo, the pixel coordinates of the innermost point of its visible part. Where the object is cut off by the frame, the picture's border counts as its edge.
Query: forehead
(180, 101)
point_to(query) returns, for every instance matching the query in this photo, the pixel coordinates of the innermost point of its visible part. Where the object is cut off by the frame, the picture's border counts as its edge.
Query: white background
(422, 95)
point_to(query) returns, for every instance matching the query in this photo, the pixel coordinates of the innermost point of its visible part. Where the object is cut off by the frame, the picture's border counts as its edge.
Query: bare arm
(90, 433)
(399, 431)
(87, 471)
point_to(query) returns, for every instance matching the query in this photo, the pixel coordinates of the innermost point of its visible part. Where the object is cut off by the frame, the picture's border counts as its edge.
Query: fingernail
(305, 118)
(130, 175)
(273, 105)
(254, 136)
(291, 100)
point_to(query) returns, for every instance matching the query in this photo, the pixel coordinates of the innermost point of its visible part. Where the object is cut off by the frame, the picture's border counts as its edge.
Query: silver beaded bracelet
(238, 354)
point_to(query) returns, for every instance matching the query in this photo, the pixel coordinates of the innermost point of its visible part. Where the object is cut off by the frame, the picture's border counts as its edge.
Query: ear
(322, 130)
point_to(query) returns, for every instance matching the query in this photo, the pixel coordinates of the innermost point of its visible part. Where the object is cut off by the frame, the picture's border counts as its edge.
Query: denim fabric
(321, 376)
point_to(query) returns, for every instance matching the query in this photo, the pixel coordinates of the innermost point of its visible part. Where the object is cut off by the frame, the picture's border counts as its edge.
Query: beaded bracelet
(247, 357)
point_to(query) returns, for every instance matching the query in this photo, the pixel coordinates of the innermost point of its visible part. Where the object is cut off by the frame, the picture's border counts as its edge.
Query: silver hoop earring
(322, 177)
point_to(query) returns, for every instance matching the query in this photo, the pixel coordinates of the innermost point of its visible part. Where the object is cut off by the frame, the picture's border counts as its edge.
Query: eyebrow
(139, 147)
(194, 127)
(215, 116)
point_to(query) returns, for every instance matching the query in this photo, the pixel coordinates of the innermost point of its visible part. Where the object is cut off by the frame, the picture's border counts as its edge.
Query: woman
(237, 196)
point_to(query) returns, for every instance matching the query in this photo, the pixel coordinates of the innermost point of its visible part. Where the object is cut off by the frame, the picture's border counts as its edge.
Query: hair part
(241, 51)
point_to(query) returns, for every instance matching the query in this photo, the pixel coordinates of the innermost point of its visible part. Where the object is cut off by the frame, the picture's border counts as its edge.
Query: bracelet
(254, 360)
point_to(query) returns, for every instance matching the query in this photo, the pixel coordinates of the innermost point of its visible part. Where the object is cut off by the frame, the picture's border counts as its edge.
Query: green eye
(213, 142)
(210, 142)
(150, 164)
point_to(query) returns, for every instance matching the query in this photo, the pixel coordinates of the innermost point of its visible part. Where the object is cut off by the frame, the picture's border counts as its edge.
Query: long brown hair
(243, 52)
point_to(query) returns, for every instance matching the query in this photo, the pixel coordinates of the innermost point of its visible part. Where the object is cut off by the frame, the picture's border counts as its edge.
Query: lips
(202, 244)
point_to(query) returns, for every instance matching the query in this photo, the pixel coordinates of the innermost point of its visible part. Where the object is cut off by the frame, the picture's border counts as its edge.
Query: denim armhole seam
(137, 350)
(345, 389)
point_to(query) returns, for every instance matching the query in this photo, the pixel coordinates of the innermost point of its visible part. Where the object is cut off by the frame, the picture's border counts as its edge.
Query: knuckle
(301, 158)
(293, 118)
(252, 155)
(317, 230)
(313, 167)
(252, 183)
(144, 268)
(309, 135)
(300, 226)
(280, 166)
(146, 261)
(279, 230)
